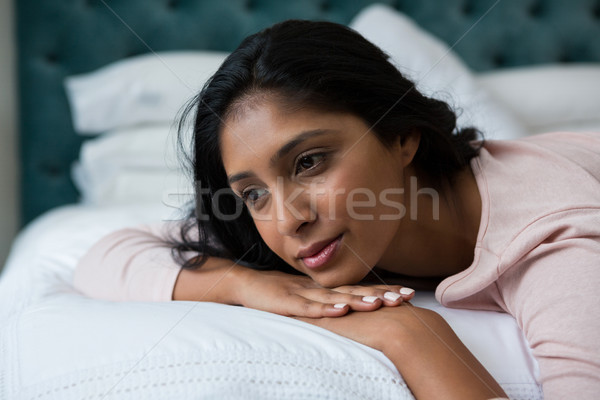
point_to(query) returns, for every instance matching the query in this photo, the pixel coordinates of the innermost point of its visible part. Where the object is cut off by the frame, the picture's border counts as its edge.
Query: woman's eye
(309, 161)
(253, 195)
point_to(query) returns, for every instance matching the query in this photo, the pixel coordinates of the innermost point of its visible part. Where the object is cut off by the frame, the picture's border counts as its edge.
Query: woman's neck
(438, 234)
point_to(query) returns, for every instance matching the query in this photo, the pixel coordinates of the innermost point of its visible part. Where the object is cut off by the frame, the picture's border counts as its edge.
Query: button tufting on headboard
(563, 57)
(51, 169)
(499, 60)
(535, 10)
(467, 8)
(51, 58)
(132, 53)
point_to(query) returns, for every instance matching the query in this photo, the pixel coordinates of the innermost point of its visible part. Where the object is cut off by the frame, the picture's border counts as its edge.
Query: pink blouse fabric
(537, 255)
(132, 264)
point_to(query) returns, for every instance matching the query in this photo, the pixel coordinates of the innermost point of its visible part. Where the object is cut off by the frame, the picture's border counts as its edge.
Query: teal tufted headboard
(57, 38)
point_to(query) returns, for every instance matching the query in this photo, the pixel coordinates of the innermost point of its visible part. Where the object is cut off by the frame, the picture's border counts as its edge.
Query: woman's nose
(293, 210)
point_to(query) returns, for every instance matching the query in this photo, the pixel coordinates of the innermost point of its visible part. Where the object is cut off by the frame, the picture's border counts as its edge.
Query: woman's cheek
(267, 230)
(339, 183)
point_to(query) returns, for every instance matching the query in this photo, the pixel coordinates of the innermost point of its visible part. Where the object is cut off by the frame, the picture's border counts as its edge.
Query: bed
(100, 83)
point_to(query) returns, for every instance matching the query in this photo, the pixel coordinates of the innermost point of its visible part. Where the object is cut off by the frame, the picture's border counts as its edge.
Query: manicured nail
(391, 296)
(340, 305)
(406, 291)
(369, 299)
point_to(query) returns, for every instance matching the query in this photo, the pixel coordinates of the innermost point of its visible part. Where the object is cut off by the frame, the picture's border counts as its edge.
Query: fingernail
(391, 296)
(340, 305)
(406, 291)
(369, 299)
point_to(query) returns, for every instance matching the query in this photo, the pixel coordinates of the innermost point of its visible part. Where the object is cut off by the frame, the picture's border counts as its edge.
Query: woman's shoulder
(541, 189)
(579, 147)
(582, 148)
(559, 159)
(526, 181)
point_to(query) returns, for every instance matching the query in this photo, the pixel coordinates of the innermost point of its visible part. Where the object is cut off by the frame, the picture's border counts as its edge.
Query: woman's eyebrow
(301, 137)
(283, 151)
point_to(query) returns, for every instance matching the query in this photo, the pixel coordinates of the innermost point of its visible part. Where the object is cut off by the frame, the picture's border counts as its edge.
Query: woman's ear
(408, 147)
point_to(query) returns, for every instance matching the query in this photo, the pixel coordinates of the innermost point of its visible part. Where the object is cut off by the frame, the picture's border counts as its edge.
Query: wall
(8, 143)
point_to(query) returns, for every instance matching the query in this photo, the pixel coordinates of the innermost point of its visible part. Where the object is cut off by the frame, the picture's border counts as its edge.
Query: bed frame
(58, 38)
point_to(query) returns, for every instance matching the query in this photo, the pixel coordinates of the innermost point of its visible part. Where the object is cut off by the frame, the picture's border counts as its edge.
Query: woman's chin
(332, 280)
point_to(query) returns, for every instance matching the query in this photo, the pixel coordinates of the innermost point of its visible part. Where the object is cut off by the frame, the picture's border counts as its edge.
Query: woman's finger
(356, 302)
(390, 295)
(302, 307)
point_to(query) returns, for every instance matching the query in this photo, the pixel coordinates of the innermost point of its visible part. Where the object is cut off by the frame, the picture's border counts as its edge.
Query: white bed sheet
(57, 344)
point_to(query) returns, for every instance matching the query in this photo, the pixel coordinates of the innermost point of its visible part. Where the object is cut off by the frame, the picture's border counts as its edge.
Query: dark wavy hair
(323, 66)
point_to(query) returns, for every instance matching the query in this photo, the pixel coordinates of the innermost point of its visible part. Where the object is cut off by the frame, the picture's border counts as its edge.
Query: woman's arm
(434, 362)
(136, 265)
(427, 353)
(131, 264)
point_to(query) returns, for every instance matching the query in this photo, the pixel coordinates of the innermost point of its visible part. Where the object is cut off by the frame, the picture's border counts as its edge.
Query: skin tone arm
(222, 281)
(213, 282)
(430, 357)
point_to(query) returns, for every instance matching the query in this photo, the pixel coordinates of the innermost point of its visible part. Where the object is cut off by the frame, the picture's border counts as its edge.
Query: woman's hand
(378, 330)
(220, 281)
(425, 350)
(293, 295)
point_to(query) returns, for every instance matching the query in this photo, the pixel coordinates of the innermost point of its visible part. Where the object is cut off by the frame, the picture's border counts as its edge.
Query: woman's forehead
(260, 130)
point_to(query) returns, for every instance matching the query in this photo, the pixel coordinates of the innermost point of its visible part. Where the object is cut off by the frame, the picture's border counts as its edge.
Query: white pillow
(437, 71)
(549, 97)
(142, 89)
(56, 341)
(132, 165)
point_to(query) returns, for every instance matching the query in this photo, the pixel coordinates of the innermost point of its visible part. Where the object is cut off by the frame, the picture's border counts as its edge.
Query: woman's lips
(324, 255)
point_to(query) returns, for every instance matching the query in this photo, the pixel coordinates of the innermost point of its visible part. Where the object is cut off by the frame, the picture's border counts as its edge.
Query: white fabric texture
(142, 89)
(549, 97)
(57, 344)
(436, 70)
(132, 165)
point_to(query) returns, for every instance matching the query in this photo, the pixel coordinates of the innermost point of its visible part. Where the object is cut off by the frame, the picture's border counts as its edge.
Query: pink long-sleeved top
(537, 255)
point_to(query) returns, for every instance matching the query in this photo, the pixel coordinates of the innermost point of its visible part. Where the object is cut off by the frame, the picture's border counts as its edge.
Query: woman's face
(325, 194)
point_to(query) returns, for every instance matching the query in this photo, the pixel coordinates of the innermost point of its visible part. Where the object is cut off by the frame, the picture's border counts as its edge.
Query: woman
(313, 154)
